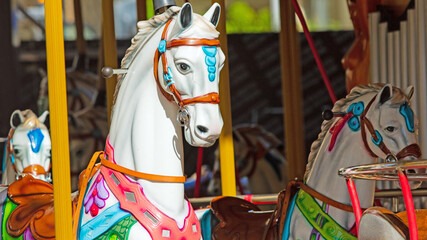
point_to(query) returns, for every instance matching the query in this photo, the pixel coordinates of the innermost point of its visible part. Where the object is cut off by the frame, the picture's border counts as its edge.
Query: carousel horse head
(28, 147)
(187, 62)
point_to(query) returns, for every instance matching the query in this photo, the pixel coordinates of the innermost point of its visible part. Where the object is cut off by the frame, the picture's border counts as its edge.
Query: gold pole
(58, 118)
(226, 150)
(291, 92)
(110, 50)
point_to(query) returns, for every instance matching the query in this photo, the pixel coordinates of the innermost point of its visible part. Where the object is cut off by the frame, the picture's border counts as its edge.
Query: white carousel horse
(148, 201)
(375, 121)
(28, 147)
(257, 158)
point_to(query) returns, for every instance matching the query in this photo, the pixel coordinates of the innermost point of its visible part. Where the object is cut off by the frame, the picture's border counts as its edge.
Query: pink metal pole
(409, 203)
(198, 172)
(354, 201)
(314, 51)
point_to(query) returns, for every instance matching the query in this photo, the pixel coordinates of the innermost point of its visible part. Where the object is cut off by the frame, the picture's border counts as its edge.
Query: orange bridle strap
(212, 97)
(141, 175)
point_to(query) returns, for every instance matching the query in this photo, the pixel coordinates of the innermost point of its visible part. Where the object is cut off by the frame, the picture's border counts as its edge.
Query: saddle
(240, 219)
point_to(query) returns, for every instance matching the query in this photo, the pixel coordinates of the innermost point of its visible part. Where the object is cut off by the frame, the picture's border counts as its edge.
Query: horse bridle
(212, 97)
(410, 150)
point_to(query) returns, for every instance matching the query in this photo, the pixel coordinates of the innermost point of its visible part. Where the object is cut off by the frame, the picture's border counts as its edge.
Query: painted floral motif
(95, 198)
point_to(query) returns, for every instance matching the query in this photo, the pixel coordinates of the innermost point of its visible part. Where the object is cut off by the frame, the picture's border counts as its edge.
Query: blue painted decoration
(380, 138)
(354, 123)
(210, 60)
(36, 138)
(358, 108)
(168, 77)
(162, 46)
(408, 114)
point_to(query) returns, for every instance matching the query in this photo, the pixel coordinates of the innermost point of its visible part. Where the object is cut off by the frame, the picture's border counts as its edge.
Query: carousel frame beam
(58, 119)
(226, 149)
(291, 92)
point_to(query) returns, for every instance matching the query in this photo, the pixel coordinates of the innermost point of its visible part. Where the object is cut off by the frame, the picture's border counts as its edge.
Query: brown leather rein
(410, 150)
(212, 97)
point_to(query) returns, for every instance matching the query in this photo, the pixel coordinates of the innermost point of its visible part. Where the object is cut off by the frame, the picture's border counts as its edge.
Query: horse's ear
(184, 20)
(385, 94)
(409, 91)
(213, 14)
(43, 117)
(16, 118)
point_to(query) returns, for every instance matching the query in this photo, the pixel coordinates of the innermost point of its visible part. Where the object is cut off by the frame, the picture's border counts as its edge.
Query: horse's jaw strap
(146, 176)
(212, 97)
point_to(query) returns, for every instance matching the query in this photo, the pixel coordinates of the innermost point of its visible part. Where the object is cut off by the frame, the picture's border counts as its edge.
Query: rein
(212, 97)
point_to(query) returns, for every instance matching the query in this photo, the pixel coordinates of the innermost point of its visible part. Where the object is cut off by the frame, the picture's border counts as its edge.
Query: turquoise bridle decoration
(356, 109)
(210, 60)
(408, 114)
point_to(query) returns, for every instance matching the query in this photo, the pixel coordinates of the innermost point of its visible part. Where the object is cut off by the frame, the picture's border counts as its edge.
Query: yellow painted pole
(58, 118)
(226, 150)
(291, 92)
(110, 50)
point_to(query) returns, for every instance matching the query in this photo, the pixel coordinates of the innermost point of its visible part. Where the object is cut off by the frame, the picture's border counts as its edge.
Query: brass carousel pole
(58, 118)
(110, 51)
(291, 92)
(226, 150)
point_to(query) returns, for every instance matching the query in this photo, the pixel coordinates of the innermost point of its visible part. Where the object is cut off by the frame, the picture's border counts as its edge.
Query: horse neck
(348, 151)
(145, 135)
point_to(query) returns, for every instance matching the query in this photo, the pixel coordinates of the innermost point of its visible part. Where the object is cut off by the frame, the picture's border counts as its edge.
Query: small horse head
(29, 145)
(191, 60)
(391, 125)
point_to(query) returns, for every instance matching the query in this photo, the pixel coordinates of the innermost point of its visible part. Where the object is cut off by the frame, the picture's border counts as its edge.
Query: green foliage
(241, 18)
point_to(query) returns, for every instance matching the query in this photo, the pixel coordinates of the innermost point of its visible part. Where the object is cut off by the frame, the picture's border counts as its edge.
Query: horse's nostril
(202, 129)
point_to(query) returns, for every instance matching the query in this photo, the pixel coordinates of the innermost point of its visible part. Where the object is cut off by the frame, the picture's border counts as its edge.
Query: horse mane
(31, 120)
(145, 30)
(340, 106)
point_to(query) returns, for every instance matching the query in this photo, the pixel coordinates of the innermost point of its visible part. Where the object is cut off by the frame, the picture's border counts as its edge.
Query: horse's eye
(390, 129)
(16, 151)
(184, 68)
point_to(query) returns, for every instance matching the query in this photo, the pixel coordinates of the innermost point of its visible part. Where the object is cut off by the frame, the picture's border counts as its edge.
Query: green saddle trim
(120, 230)
(329, 229)
(9, 206)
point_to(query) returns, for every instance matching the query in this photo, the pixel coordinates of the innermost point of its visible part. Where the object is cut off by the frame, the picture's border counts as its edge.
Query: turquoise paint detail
(354, 123)
(205, 224)
(162, 46)
(210, 61)
(36, 138)
(408, 114)
(210, 50)
(358, 108)
(103, 222)
(380, 138)
(286, 226)
(168, 77)
(4, 157)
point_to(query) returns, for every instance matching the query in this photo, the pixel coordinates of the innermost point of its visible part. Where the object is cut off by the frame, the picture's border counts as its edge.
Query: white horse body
(28, 147)
(145, 135)
(349, 150)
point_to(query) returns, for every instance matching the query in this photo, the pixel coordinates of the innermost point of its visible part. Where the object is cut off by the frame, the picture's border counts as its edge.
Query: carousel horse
(137, 191)
(258, 159)
(371, 122)
(28, 147)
